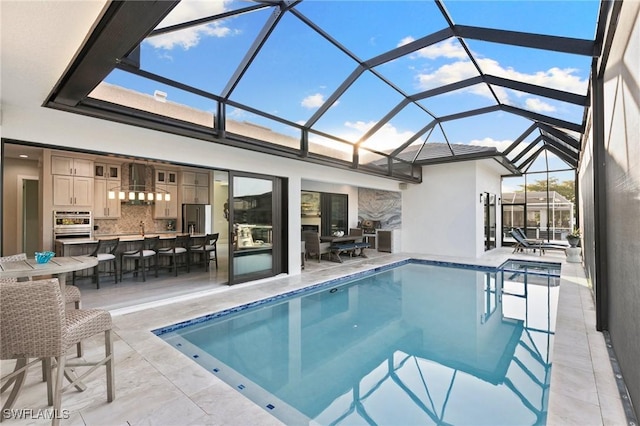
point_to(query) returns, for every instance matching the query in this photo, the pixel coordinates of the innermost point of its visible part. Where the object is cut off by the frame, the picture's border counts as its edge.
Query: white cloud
(185, 11)
(189, 37)
(406, 40)
(237, 114)
(313, 101)
(446, 74)
(489, 142)
(557, 78)
(562, 79)
(188, 10)
(448, 48)
(386, 138)
(316, 101)
(535, 104)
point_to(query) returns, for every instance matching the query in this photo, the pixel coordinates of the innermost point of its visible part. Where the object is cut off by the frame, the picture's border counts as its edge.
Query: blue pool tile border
(239, 308)
(329, 283)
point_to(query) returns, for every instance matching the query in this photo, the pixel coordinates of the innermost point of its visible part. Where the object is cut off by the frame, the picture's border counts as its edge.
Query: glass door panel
(489, 221)
(335, 213)
(513, 216)
(252, 218)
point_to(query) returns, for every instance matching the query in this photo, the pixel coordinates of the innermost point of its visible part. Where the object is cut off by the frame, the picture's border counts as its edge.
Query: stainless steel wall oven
(72, 224)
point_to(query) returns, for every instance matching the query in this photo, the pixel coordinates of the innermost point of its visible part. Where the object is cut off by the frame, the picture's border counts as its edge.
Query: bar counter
(86, 246)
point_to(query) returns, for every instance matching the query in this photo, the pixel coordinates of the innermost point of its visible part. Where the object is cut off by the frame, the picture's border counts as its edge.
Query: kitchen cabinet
(195, 187)
(103, 206)
(163, 209)
(167, 177)
(166, 183)
(70, 166)
(195, 178)
(195, 194)
(72, 191)
(72, 181)
(107, 171)
(385, 241)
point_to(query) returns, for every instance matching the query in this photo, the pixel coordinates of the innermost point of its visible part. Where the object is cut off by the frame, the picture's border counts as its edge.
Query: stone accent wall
(384, 206)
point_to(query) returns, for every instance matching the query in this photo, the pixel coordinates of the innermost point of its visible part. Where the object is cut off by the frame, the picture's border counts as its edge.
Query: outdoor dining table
(57, 266)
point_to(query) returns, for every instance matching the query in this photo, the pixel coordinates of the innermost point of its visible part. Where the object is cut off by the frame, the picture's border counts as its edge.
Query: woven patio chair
(71, 292)
(313, 245)
(35, 324)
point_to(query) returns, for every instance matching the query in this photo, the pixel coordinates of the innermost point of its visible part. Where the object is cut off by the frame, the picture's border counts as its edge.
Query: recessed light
(23, 156)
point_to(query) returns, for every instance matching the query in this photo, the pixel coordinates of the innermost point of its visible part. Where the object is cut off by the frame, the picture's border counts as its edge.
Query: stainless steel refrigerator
(196, 218)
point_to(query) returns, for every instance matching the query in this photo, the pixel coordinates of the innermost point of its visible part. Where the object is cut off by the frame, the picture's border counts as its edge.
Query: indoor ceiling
(383, 87)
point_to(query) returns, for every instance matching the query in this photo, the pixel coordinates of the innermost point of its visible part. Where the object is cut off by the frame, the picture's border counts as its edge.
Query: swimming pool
(418, 343)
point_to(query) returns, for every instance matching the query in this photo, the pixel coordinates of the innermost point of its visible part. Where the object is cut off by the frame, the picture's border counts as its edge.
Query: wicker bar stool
(71, 292)
(35, 324)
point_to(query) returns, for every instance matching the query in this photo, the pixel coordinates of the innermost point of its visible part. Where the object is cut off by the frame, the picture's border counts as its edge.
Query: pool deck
(157, 385)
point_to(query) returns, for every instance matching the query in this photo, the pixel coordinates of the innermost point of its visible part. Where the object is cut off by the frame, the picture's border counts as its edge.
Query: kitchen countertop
(123, 237)
(129, 234)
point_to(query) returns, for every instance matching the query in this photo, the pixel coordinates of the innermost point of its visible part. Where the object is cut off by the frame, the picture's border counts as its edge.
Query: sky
(297, 70)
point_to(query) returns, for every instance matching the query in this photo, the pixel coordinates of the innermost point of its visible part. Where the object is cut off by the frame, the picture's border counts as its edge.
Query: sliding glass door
(256, 249)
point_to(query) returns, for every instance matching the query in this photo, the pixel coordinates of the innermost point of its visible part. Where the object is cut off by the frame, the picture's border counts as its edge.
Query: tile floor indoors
(157, 385)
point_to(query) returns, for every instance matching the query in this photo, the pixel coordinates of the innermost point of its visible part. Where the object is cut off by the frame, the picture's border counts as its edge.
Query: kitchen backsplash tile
(129, 222)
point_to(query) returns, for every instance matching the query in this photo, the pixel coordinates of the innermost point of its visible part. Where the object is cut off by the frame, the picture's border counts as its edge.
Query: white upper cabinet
(72, 181)
(72, 191)
(105, 207)
(195, 187)
(71, 166)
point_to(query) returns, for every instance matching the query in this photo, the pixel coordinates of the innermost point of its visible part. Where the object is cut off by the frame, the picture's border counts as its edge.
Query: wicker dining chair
(35, 324)
(313, 245)
(71, 292)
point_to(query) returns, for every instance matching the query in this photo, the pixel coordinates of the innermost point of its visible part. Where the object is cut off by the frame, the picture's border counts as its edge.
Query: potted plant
(574, 237)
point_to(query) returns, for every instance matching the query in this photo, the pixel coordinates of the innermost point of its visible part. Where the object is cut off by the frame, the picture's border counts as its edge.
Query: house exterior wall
(62, 130)
(622, 180)
(443, 215)
(488, 179)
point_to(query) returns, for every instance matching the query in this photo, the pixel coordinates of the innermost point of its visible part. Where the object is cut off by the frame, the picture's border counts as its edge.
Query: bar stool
(71, 292)
(179, 248)
(35, 309)
(105, 251)
(145, 251)
(204, 250)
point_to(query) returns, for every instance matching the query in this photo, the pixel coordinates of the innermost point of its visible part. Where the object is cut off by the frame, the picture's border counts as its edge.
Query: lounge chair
(523, 234)
(522, 244)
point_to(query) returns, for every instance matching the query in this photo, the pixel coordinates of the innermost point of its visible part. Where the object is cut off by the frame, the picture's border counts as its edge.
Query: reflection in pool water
(416, 344)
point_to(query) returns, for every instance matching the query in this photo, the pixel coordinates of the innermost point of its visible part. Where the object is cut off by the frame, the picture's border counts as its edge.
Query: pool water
(415, 344)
